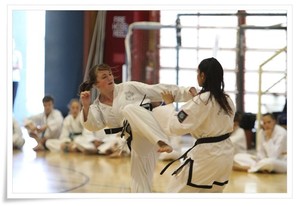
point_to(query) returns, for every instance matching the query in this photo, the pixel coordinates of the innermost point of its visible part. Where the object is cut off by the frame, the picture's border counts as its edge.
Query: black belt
(76, 133)
(72, 134)
(125, 128)
(113, 130)
(199, 141)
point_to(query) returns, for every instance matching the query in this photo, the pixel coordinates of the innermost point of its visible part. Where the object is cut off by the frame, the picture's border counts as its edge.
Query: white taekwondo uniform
(18, 140)
(72, 130)
(207, 165)
(239, 140)
(271, 154)
(127, 98)
(111, 144)
(54, 121)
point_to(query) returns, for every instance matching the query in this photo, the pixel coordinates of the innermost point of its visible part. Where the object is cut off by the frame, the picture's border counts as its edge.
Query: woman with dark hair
(118, 104)
(208, 117)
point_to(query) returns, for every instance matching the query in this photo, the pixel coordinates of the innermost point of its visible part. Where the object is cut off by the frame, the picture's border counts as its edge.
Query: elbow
(178, 131)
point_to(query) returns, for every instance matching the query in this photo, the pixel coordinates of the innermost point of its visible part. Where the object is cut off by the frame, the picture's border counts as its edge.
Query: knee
(129, 107)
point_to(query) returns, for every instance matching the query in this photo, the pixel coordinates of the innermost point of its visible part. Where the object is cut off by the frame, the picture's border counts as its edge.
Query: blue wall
(63, 56)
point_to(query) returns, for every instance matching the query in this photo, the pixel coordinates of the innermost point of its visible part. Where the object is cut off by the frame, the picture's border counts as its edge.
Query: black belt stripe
(199, 141)
(189, 181)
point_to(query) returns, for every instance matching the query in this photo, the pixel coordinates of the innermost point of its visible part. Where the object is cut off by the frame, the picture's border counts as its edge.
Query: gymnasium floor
(48, 172)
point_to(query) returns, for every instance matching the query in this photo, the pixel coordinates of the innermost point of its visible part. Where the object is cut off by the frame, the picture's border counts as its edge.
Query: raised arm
(91, 117)
(86, 101)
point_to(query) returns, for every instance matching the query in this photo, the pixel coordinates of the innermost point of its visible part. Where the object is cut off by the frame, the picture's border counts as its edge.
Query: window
(203, 35)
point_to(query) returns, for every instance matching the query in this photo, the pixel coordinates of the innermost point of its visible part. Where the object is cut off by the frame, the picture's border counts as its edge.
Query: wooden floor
(48, 172)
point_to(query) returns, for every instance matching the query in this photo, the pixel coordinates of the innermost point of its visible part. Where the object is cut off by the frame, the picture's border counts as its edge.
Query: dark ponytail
(85, 86)
(214, 82)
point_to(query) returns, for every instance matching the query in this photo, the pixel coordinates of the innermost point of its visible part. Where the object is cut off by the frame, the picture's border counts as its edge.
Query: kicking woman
(119, 102)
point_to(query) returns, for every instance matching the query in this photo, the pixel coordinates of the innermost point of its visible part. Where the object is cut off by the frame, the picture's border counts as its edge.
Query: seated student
(111, 145)
(238, 136)
(272, 149)
(46, 125)
(18, 140)
(74, 137)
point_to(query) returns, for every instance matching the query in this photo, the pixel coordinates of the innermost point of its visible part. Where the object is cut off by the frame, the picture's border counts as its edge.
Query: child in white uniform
(238, 136)
(46, 125)
(208, 117)
(111, 145)
(114, 104)
(272, 149)
(18, 140)
(74, 137)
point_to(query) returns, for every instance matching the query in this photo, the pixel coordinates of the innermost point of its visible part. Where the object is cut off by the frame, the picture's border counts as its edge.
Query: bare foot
(39, 147)
(163, 147)
(33, 135)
